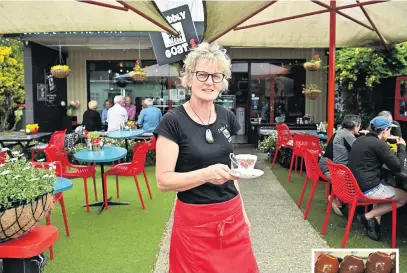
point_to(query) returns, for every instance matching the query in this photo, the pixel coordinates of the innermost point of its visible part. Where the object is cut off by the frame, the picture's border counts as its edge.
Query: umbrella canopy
(304, 24)
(70, 15)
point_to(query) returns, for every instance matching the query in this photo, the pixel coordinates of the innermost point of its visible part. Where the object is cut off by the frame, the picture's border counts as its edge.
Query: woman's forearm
(174, 181)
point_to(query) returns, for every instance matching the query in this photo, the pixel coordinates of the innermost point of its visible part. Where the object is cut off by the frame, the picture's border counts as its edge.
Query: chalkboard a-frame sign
(169, 49)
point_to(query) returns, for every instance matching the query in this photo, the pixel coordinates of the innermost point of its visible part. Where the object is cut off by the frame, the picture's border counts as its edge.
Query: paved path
(282, 240)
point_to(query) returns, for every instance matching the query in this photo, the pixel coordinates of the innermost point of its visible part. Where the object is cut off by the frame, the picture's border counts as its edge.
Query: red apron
(211, 238)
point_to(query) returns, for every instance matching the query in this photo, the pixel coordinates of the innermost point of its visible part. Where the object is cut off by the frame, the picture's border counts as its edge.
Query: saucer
(246, 173)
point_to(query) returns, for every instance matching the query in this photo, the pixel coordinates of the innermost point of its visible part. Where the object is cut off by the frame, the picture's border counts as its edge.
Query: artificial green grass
(124, 239)
(337, 224)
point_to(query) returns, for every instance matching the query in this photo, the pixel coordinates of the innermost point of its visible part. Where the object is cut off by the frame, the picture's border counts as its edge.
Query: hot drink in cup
(392, 139)
(243, 161)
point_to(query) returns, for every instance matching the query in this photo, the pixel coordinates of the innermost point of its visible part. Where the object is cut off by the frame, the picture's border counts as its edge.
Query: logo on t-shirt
(225, 133)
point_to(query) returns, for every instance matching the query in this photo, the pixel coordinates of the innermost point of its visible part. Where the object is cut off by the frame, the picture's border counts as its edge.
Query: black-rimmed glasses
(203, 76)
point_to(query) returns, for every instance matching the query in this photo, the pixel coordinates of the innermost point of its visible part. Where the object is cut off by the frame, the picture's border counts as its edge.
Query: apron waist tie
(221, 228)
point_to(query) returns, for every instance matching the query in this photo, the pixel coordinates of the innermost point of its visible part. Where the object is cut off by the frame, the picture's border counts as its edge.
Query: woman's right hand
(218, 174)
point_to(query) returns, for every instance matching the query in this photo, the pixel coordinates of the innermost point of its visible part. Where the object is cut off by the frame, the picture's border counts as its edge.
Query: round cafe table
(62, 184)
(107, 154)
(129, 134)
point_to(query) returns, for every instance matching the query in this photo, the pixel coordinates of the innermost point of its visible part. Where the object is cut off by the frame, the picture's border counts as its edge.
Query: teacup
(243, 161)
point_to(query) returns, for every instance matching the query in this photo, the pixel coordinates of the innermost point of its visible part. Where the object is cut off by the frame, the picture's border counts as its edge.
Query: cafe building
(265, 88)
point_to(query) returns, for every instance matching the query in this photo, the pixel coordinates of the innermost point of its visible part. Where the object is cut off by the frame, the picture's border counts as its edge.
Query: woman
(91, 118)
(211, 229)
(366, 159)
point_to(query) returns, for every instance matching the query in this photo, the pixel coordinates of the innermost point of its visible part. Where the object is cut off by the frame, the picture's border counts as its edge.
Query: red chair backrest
(3, 157)
(54, 154)
(283, 134)
(151, 144)
(306, 141)
(311, 158)
(58, 139)
(139, 155)
(344, 184)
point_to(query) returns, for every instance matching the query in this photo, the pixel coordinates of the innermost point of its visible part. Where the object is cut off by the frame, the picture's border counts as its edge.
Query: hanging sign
(41, 92)
(169, 49)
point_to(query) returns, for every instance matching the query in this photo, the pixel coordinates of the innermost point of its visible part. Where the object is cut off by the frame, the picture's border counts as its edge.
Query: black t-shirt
(195, 153)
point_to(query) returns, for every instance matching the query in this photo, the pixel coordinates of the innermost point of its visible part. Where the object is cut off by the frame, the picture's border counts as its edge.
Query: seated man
(395, 131)
(149, 117)
(116, 115)
(366, 159)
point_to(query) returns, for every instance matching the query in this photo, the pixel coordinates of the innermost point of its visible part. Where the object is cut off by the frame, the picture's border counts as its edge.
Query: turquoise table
(130, 134)
(107, 154)
(62, 185)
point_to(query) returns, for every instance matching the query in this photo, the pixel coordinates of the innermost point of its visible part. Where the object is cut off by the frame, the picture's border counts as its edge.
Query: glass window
(277, 84)
(108, 79)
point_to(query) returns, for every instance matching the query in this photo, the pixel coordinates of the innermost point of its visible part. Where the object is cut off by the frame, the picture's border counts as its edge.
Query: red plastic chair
(59, 197)
(53, 154)
(31, 244)
(346, 188)
(151, 144)
(303, 141)
(133, 168)
(3, 157)
(313, 172)
(284, 139)
(57, 139)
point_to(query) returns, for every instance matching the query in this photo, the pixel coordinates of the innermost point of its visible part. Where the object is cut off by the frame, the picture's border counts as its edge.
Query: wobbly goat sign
(169, 48)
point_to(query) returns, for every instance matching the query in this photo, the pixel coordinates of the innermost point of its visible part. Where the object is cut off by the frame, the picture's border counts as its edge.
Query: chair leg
(291, 167)
(85, 184)
(62, 202)
(349, 224)
(94, 188)
(311, 196)
(32, 155)
(304, 186)
(139, 191)
(275, 156)
(394, 225)
(147, 184)
(51, 252)
(105, 190)
(301, 165)
(296, 164)
(328, 212)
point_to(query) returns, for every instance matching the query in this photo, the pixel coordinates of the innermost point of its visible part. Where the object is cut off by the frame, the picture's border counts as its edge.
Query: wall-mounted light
(109, 71)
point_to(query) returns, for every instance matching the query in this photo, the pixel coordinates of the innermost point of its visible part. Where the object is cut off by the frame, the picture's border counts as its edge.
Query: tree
(11, 78)
(360, 70)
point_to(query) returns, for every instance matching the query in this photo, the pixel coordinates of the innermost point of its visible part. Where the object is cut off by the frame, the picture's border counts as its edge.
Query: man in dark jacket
(366, 158)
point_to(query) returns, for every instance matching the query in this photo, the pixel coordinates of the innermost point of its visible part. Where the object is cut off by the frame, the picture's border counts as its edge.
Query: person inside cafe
(108, 104)
(149, 117)
(130, 108)
(116, 115)
(91, 118)
(194, 141)
(366, 158)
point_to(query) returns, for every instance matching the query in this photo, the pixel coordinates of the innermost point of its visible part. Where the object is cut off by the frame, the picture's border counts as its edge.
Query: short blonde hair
(211, 52)
(93, 104)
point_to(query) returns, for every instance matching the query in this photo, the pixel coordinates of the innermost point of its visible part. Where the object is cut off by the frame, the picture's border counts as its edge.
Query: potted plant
(25, 196)
(314, 64)
(31, 129)
(60, 71)
(311, 91)
(138, 73)
(73, 105)
(94, 141)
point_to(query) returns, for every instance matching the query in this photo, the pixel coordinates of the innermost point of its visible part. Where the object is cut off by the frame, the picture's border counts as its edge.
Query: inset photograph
(347, 260)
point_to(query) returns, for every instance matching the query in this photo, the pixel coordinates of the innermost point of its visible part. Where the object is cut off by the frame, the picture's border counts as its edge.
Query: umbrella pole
(331, 72)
